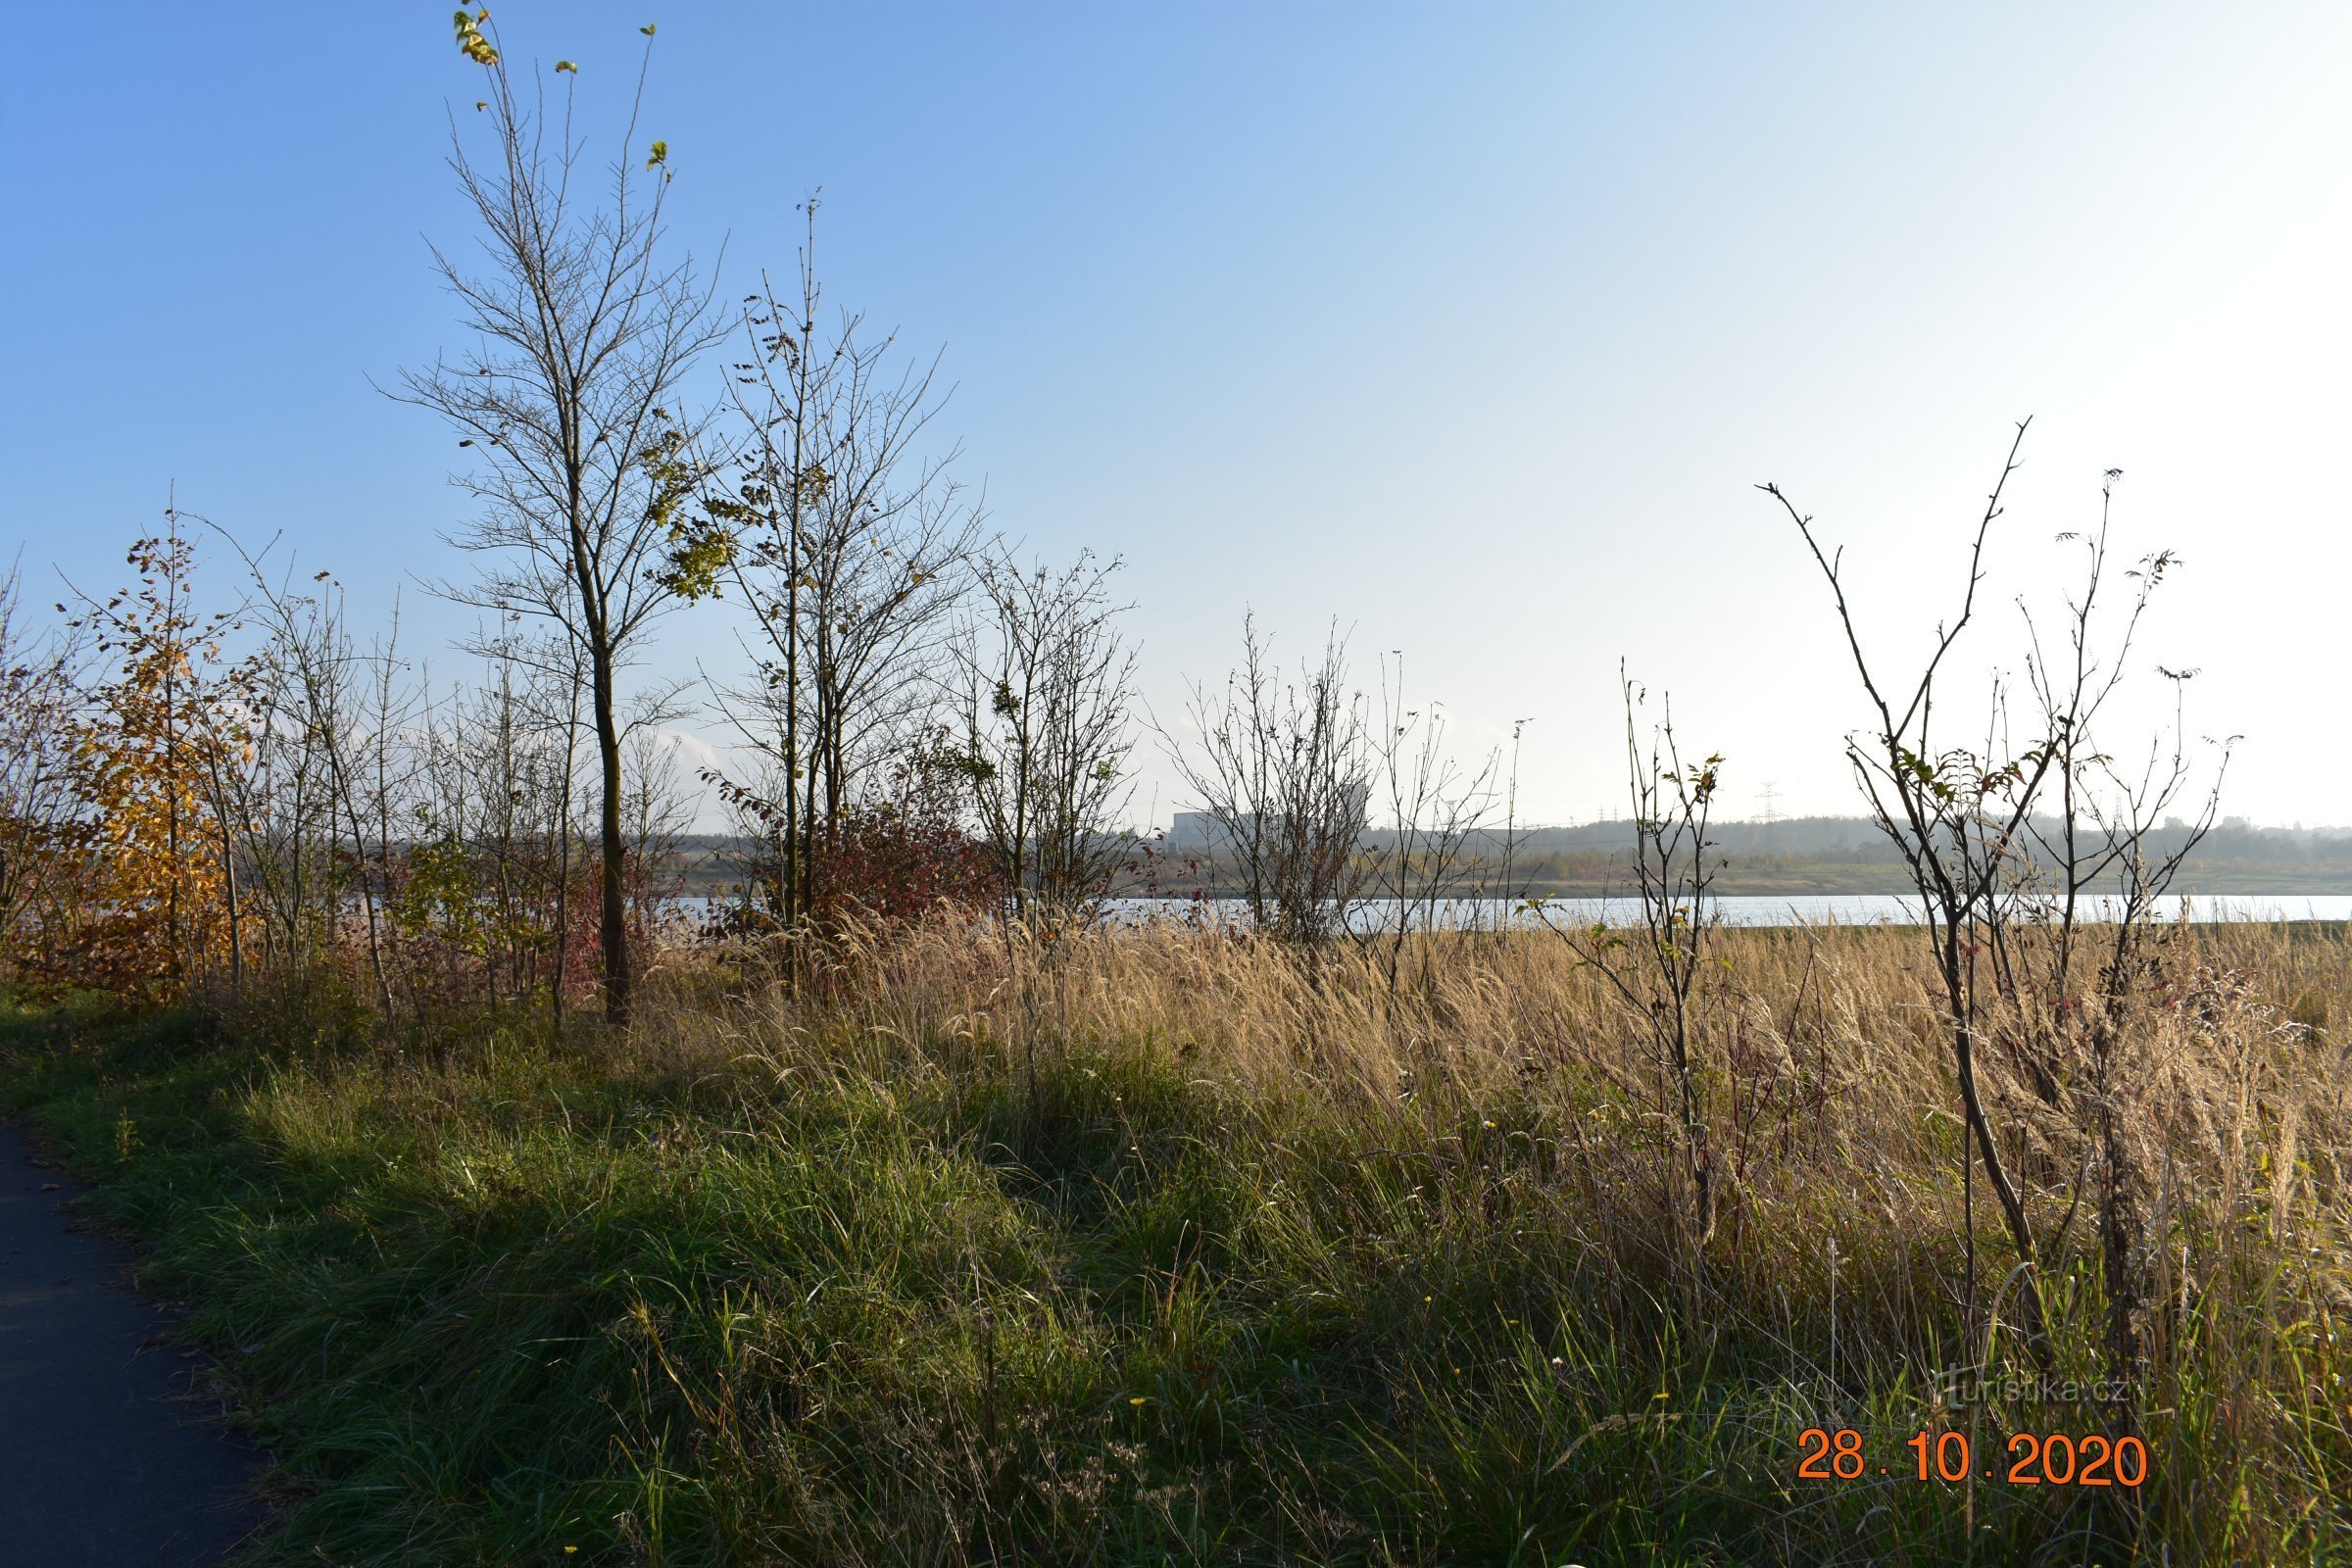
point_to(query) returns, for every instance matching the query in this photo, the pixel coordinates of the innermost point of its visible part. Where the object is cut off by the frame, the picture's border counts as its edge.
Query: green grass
(881, 1301)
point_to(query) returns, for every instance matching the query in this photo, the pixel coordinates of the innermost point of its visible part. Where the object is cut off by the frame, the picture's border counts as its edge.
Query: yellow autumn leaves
(475, 45)
(470, 41)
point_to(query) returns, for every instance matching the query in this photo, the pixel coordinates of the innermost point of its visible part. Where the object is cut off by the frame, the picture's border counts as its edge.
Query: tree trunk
(1972, 1104)
(236, 932)
(613, 926)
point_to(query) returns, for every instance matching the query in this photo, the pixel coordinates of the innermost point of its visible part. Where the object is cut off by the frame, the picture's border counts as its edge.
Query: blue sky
(1468, 325)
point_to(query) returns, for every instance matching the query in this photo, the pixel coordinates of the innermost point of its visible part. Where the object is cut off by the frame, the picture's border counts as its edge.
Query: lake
(1757, 909)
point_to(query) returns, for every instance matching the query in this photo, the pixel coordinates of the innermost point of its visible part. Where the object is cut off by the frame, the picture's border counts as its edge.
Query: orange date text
(2027, 1459)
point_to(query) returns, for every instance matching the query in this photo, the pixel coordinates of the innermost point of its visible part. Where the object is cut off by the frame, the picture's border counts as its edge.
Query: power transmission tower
(1772, 804)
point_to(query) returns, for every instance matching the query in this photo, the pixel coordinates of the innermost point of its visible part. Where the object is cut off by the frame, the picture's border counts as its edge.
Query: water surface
(1744, 910)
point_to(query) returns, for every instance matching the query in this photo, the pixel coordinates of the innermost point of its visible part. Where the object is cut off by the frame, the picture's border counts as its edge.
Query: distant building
(1202, 829)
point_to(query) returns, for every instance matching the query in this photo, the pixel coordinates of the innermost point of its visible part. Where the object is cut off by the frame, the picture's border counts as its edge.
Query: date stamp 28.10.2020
(2025, 1459)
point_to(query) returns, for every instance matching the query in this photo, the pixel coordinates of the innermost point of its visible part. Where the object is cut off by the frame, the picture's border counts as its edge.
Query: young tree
(40, 830)
(584, 332)
(1655, 968)
(148, 754)
(1953, 815)
(489, 855)
(1042, 684)
(2072, 1031)
(1437, 810)
(1995, 872)
(1285, 772)
(661, 813)
(848, 543)
(328, 774)
(283, 806)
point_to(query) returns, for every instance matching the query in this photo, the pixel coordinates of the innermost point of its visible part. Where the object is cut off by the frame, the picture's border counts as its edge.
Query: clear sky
(1471, 326)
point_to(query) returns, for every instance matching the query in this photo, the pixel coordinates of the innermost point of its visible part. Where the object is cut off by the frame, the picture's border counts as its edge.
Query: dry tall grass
(1497, 1080)
(1163, 1245)
(1826, 1055)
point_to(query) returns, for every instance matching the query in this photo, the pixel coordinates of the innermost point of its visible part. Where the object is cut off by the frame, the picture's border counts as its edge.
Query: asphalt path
(106, 1456)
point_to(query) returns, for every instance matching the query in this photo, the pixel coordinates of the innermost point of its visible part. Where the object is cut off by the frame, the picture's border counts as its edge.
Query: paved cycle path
(104, 1461)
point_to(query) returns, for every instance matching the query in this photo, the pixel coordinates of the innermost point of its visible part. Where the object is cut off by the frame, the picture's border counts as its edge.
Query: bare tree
(1438, 813)
(1043, 683)
(659, 815)
(493, 831)
(281, 803)
(1285, 772)
(848, 545)
(2071, 1032)
(376, 772)
(569, 401)
(39, 697)
(2102, 830)
(1954, 815)
(330, 771)
(1999, 874)
(1655, 968)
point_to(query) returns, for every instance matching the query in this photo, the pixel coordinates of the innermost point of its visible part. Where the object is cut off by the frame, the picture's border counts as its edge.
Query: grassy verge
(1170, 1253)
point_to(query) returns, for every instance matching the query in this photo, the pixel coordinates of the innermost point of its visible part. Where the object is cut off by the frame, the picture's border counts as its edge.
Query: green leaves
(1918, 768)
(700, 548)
(657, 155)
(470, 41)
(699, 555)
